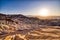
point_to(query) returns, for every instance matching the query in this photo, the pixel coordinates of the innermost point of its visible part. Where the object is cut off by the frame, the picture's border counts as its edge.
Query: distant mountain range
(32, 16)
(45, 17)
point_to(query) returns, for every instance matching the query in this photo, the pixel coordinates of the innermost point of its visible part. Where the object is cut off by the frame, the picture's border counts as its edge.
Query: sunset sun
(43, 12)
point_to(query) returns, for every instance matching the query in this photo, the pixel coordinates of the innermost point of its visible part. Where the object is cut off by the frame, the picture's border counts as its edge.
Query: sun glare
(43, 12)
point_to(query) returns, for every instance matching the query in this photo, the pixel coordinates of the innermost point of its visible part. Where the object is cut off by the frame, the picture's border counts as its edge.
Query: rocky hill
(10, 23)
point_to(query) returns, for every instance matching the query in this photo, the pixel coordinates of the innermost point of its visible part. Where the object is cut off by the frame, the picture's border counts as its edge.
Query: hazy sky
(29, 7)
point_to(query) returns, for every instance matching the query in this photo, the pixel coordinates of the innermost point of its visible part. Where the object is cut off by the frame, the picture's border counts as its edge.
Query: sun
(43, 12)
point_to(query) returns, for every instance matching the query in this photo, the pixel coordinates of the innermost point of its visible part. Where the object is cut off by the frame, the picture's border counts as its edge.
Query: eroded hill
(20, 27)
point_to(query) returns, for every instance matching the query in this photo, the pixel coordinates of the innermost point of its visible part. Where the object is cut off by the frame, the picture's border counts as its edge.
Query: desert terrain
(20, 27)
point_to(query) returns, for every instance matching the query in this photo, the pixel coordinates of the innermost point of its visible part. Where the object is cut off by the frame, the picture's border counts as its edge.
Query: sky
(29, 7)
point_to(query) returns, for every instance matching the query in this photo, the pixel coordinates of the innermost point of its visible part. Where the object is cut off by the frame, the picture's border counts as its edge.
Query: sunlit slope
(45, 33)
(49, 33)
